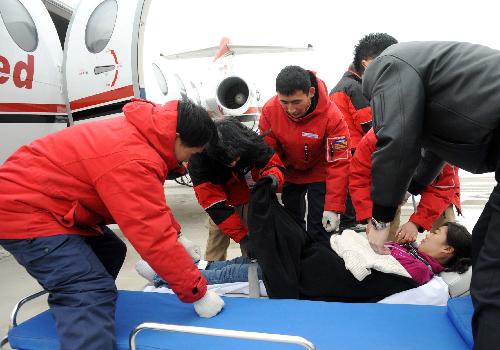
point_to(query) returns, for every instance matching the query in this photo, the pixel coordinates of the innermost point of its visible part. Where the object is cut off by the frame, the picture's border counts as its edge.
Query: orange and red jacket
(109, 171)
(435, 198)
(349, 98)
(219, 188)
(313, 148)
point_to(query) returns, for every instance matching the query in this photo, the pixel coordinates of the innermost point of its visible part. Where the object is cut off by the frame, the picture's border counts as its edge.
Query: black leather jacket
(440, 96)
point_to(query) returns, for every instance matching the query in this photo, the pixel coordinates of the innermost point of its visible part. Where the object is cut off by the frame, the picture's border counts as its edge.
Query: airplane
(62, 65)
(227, 91)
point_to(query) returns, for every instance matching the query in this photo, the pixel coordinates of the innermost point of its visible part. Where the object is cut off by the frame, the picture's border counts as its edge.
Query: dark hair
(236, 140)
(369, 47)
(461, 240)
(291, 79)
(194, 125)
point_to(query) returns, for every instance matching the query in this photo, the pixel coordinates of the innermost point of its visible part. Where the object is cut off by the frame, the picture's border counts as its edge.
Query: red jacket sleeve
(275, 167)
(360, 177)
(362, 116)
(338, 154)
(134, 195)
(213, 200)
(269, 138)
(435, 198)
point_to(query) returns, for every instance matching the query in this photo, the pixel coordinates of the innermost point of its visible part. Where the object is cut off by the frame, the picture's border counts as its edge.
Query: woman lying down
(341, 274)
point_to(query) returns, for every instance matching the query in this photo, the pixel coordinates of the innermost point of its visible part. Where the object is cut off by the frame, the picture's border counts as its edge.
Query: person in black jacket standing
(348, 97)
(444, 97)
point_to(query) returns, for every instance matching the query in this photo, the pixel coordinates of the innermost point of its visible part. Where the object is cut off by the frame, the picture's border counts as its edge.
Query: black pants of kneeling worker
(294, 266)
(293, 197)
(79, 273)
(485, 284)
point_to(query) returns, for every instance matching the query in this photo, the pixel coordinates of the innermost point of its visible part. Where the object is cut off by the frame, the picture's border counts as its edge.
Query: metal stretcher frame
(15, 311)
(216, 332)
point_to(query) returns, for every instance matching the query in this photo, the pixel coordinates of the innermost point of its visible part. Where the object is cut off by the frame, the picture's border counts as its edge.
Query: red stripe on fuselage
(108, 96)
(32, 108)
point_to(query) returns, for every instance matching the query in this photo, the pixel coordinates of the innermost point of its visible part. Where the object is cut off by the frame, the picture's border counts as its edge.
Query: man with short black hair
(58, 193)
(348, 97)
(310, 136)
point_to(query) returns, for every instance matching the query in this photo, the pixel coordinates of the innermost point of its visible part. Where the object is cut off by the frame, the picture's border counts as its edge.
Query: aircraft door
(31, 99)
(101, 56)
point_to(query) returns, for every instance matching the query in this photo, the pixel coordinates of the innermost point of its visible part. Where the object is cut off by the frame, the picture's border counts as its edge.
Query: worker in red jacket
(222, 178)
(58, 193)
(436, 203)
(311, 138)
(348, 97)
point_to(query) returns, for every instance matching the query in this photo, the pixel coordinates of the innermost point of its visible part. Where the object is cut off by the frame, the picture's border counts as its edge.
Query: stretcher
(147, 321)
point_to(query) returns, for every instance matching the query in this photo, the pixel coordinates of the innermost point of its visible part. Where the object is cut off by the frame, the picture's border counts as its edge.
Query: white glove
(209, 306)
(330, 220)
(192, 248)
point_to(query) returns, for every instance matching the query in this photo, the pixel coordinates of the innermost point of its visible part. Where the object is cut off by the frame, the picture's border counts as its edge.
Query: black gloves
(246, 244)
(274, 181)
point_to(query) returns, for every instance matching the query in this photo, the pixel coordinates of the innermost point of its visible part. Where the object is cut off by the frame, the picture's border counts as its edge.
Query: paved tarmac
(16, 283)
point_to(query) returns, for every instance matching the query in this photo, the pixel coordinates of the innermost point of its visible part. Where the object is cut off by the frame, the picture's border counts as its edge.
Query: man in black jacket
(444, 97)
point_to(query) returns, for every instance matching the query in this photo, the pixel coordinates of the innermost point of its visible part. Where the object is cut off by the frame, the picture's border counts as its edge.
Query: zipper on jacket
(306, 151)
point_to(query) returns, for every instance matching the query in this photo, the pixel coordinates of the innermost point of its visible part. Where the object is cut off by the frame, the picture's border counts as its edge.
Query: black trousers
(485, 284)
(348, 219)
(293, 197)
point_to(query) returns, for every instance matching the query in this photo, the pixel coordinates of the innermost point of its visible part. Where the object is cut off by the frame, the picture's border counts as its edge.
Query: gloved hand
(192, 248)
(274, 183)
(209, 306)
(246, 244)
(330, 220)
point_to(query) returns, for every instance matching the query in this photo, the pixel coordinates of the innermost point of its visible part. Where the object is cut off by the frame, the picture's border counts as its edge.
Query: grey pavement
(16, 283)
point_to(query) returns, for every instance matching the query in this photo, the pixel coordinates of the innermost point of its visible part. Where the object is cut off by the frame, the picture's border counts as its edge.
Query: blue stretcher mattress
(327, 325)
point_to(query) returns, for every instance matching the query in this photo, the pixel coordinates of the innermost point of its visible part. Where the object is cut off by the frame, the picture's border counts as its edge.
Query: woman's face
(435, 243)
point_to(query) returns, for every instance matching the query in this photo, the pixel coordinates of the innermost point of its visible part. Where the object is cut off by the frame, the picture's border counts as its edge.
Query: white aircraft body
(61, 66)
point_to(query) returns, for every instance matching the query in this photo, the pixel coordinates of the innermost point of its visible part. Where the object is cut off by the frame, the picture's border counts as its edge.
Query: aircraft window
(100, 26)
(19, 24)
(160, 79)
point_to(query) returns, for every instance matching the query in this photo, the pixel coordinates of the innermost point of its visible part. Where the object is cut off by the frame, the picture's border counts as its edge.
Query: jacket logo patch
(310, 135)
(337, 148)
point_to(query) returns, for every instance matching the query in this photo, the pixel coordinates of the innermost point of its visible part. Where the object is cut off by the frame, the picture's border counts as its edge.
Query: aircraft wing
(235, 49)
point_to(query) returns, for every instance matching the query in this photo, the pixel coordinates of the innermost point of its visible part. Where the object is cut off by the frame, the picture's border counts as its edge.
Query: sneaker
(144, 270)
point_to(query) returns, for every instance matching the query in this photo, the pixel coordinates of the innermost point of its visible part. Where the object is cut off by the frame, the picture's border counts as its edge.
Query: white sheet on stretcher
(435, 292)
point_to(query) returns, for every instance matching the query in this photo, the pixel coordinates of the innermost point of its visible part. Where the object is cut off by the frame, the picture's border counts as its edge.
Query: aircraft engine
(234, 95)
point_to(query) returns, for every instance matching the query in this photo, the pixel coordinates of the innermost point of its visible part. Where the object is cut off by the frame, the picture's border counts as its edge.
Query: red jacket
(110, 171)
(314, 148)
(220, 188)
(435, 198)
(348, 97)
